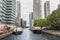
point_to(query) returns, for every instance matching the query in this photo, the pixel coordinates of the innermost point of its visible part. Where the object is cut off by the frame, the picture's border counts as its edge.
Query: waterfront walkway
(52, 32)
(5, 35)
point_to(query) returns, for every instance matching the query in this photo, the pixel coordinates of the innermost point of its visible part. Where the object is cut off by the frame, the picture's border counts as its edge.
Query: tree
(54, 18)
(40, 22)
(36, 22)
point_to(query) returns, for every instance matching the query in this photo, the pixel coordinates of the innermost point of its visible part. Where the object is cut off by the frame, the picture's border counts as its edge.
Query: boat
(17, 31)
(36, 30)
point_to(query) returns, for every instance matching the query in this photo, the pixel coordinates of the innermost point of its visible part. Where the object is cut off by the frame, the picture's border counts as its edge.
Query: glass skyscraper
(18, 11)
(46, 8)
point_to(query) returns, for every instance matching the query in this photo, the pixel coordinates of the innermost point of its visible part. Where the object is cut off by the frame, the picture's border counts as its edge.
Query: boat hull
(36, 31)
(17, 33)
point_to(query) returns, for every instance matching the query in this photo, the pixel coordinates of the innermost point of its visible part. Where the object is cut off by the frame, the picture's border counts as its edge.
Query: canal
(28, 35)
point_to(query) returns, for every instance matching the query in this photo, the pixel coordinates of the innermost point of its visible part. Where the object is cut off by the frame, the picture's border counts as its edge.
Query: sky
(27, 7)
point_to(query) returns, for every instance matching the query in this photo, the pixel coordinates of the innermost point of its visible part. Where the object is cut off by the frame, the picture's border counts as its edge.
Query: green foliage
(52, 20)
(40, 22)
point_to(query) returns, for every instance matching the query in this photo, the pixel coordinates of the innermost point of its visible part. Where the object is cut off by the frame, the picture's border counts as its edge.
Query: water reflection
(28, 35)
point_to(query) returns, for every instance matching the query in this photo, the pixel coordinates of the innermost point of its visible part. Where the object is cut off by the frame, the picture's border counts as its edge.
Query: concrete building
(36, 9)
(7, 12)
(2, 13)
(58, 5)
(1, 10)
(23, 23)
(18, 19)
(46, 8)
(31, 19)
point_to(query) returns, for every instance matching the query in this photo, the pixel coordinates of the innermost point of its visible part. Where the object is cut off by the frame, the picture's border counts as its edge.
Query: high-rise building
(2, 7)
(46, 8)
(58, 5)
(11, 12)
(31, 19)
(18, 19)
(2, 12)
(36, 9)
(8, 11)
(23, 23)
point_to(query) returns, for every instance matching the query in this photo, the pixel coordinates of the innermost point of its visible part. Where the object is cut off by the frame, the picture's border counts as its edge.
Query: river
(28, 35)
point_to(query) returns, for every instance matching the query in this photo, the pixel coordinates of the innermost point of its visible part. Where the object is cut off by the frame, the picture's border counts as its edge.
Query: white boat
(18, 30)
(36, 29)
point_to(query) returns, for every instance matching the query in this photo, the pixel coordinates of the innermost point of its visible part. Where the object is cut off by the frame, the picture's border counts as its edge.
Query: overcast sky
(27, 7)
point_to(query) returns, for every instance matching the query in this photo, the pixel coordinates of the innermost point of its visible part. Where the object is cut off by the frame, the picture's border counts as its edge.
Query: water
(28, 35)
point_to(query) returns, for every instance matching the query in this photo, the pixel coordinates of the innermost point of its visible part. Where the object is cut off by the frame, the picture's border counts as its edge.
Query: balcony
(9, 3)
(9, 11)
(9, 0)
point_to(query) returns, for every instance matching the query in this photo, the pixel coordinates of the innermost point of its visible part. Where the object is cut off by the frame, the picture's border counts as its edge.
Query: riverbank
(52, 32)
(5, 35)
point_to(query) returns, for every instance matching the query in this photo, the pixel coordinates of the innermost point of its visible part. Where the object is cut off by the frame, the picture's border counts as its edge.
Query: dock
(52, 32)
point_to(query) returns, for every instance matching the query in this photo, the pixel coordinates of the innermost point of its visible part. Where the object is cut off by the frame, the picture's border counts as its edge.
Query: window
(9, 1)
(9, 9)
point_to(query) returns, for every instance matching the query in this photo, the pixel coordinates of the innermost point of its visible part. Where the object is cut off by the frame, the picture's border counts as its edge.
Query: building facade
(46, 8)
(23, 23)
(31, 19)
(36, 9)
(8, 12)
(18, 18)
(58, 5)
(1, 10)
